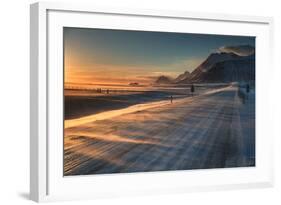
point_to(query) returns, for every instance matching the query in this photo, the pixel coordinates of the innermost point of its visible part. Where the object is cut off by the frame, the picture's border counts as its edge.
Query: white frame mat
(46, 177)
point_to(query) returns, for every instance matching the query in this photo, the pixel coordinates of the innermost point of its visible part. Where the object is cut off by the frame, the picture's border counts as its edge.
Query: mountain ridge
(230, 62)
(217, 67)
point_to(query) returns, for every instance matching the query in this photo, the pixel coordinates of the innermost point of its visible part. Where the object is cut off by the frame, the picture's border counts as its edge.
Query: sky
(104, 56)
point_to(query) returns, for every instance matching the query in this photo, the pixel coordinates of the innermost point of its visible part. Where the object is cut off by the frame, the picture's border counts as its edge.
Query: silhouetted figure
(247, 88)
(98, 90)
(192, 89)
(107, 91)
(171, 99)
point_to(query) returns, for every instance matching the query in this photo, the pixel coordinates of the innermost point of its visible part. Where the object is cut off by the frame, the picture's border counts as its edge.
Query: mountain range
(218, 67)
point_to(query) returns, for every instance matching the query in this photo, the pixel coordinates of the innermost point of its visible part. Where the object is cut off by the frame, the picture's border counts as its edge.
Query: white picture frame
(46, 179)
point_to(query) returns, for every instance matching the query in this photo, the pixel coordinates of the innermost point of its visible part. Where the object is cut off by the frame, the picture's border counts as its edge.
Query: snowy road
(214, 130)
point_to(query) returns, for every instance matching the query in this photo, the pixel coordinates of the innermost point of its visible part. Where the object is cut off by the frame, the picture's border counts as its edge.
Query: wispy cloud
(242, 50)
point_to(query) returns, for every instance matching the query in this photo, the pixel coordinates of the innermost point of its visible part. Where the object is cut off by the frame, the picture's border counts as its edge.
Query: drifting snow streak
(113, 113)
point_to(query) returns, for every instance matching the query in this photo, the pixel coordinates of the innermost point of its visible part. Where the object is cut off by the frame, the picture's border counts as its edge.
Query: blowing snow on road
(212, 130)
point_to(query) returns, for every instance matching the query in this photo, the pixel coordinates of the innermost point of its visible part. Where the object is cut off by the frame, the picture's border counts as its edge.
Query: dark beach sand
(76, 106)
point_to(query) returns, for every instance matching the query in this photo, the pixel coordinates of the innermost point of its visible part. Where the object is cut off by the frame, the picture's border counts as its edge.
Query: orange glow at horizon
(101, 74)
(82, 72)
(79, 72)
(112, 74)
(84, 68)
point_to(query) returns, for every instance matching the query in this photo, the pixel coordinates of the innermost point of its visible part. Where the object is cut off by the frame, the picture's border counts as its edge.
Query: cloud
(242, 50)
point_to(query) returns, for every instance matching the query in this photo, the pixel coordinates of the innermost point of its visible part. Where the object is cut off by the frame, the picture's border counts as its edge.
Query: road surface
(213, 130)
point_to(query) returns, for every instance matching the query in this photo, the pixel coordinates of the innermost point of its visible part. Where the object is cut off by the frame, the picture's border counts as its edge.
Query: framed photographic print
(127, 102)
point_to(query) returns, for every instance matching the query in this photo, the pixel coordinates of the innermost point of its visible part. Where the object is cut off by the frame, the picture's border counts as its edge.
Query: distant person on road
(192, 89)
(248, 88)
(171, 99)
(107, 91)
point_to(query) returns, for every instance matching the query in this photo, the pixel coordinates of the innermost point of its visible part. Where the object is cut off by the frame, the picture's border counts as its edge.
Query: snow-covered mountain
(242, 69)
(223, 67)
(229, 64)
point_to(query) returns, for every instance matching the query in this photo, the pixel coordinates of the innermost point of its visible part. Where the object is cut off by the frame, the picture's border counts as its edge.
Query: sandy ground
(213, 130)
